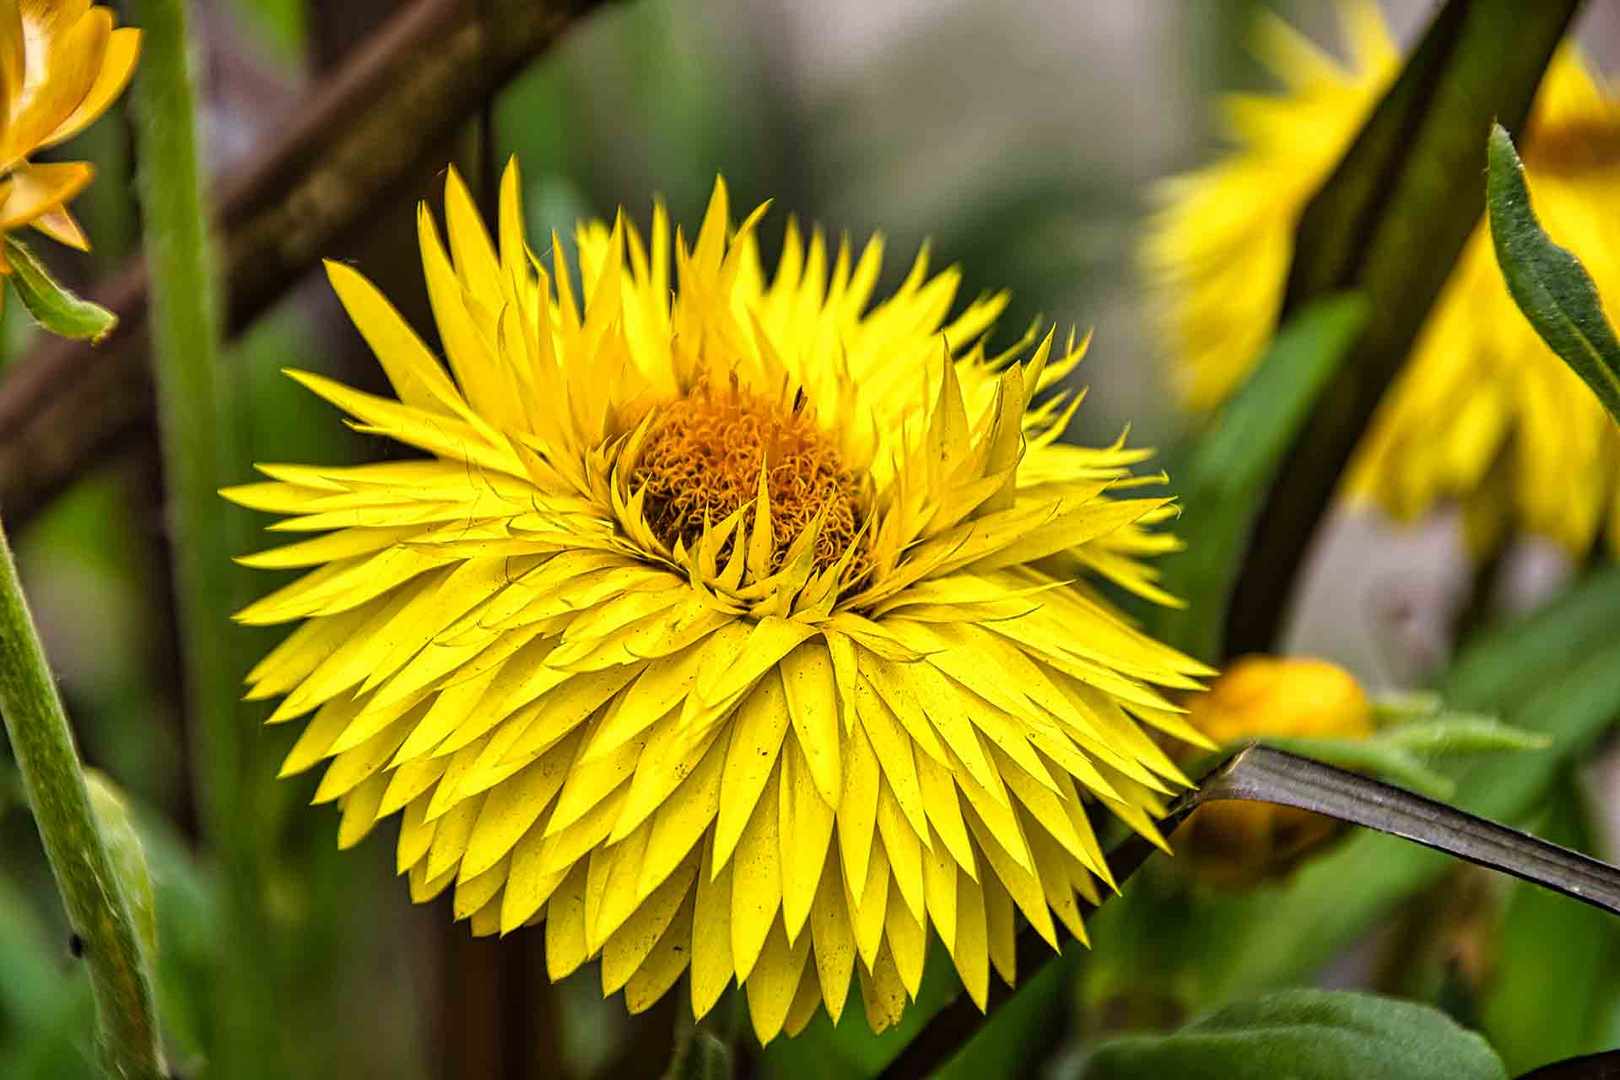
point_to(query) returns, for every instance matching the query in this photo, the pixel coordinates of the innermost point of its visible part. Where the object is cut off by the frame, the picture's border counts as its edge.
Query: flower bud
(1240, 844)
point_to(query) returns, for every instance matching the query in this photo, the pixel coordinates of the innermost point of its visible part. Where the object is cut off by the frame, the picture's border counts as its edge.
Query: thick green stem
(195, 426)
(91, 889)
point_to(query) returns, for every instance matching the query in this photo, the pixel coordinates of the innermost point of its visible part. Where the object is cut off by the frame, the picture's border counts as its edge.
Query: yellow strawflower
(1483, 413)
(62, 63)
(727, 623)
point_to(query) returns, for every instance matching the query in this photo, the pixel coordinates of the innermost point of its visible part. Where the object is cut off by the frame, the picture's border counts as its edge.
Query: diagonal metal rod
(1263, 774)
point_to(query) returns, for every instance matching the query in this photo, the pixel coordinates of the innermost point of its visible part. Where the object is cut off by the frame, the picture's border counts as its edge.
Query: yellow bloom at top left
(62, 63)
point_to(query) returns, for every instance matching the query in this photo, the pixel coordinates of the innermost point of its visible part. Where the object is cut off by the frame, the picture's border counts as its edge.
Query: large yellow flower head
(1483, 413)
(62, 63)
(728, 623)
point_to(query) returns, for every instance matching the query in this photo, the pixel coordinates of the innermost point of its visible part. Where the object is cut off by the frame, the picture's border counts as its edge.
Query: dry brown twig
(362, 134)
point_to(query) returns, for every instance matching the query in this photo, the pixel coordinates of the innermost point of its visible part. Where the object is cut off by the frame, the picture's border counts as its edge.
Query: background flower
(62, 64)
(1483, 412)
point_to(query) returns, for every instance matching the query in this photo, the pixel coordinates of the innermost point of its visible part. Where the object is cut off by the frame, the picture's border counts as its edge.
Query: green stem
(91, 890)
(194, 421)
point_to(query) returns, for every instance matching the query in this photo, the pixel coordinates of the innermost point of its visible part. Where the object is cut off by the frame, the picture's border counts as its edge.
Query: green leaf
(1306, 1035)
(53, 305)
(1389, 223)
(1223, 477)
(1548, 283)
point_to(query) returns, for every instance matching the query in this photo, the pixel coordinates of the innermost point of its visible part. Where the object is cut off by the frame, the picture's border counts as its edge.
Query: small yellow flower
(1234, 844)
(62, 63)
(727, 623)
(1483, 413)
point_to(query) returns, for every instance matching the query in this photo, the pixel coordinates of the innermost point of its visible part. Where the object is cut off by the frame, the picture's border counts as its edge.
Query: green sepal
(55, 307)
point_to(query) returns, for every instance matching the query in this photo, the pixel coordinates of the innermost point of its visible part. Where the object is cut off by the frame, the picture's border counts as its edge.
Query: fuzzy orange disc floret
(701, 462)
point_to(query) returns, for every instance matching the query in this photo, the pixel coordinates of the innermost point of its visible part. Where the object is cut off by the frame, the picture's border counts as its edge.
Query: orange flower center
(702, 461)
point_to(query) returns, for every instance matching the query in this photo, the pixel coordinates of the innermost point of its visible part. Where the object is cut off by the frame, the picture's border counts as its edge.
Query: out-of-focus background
(1022, 136)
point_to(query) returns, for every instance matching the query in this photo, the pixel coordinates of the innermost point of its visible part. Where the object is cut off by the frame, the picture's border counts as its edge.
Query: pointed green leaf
(54, 306)
(1548, 283)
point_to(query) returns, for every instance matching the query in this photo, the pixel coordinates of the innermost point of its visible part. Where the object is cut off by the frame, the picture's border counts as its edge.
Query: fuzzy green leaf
(1548, 283)
(54, 306)
(1306, 1035)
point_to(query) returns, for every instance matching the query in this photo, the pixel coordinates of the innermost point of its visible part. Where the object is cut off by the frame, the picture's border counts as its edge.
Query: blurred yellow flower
(1285, 696)
(1483, 413)
(62, 63)
(1236, 844)
(730, 623)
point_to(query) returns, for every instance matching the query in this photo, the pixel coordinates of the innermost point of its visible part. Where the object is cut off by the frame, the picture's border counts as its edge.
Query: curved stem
(91, 889)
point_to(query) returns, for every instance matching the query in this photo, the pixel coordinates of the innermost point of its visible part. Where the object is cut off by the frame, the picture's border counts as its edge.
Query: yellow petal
(117, 65)
(60, 226)
(812, 702)
(712, 968)
(806, 830)
(775, 982)
(756, 882)
(66, 45)
(756, 741)
(833, 938)
(34, 190)
(665, 963)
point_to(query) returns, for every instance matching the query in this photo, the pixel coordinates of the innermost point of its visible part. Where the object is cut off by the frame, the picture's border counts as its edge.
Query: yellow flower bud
(1240, 844)
(1294, 697)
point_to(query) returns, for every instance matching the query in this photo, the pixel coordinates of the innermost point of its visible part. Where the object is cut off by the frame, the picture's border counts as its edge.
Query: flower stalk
(193, 401)
(92, 893)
